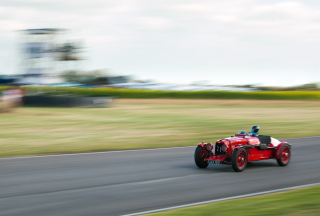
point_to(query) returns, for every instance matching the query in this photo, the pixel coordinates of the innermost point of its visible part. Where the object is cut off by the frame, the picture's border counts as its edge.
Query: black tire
(239, 159)
(199, 157)
(285, 155)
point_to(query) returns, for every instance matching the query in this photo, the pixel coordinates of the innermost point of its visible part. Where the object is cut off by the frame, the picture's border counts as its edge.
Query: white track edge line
(88, 153)
(224, 199)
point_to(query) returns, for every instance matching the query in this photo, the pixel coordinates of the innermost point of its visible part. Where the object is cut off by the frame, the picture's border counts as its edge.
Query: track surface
(117, 183)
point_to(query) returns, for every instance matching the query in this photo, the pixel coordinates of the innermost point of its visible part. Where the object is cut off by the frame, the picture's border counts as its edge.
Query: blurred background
(255, 43)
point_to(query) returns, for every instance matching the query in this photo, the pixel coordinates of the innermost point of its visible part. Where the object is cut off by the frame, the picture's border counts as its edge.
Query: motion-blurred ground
(150, 123)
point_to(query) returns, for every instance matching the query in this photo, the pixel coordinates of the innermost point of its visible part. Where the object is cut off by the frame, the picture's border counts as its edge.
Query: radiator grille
(218, 150)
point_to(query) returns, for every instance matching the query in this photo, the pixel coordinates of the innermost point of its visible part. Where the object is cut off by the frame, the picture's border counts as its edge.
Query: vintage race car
(240, 149)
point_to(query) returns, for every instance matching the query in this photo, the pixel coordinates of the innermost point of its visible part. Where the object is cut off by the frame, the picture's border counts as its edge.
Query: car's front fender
(238, 146)
(202, 144)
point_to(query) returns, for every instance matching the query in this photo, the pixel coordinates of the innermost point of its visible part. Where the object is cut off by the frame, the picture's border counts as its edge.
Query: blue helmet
(255, 130)
(242, 132)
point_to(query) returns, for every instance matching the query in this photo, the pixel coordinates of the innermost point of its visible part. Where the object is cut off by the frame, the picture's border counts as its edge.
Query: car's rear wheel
(199, 157)
(284, 156)
(239, 159)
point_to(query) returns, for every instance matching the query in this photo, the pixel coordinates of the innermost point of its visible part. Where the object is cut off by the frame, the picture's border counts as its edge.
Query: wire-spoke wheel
(285, 155)
(239, 160)
(199, 157)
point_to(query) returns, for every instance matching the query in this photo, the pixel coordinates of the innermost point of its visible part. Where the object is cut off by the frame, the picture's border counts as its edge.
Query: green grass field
(149, 124)
(291, 203)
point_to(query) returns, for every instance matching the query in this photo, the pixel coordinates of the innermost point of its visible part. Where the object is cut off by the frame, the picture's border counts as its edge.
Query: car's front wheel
(200, 156)
(284, 156)
(239, 159)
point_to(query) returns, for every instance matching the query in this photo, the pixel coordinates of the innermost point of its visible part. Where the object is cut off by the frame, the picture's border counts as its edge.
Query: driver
(254, 130)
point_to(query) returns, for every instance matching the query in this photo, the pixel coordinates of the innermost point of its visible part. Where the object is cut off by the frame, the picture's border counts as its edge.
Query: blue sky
(179, 41)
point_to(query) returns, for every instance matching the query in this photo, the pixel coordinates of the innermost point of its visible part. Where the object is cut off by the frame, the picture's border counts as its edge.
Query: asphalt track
(118, 183)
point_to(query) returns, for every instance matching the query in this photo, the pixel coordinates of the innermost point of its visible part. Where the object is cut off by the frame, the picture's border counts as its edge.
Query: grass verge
(294, 203)
(149, 124)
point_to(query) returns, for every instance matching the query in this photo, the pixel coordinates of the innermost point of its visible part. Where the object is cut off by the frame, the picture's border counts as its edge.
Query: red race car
(240, 149)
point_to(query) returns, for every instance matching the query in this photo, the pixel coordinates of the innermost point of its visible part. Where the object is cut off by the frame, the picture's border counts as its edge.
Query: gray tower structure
(44, 55)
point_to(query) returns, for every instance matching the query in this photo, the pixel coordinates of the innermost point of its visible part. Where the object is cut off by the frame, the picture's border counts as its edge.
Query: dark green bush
(134, 93)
